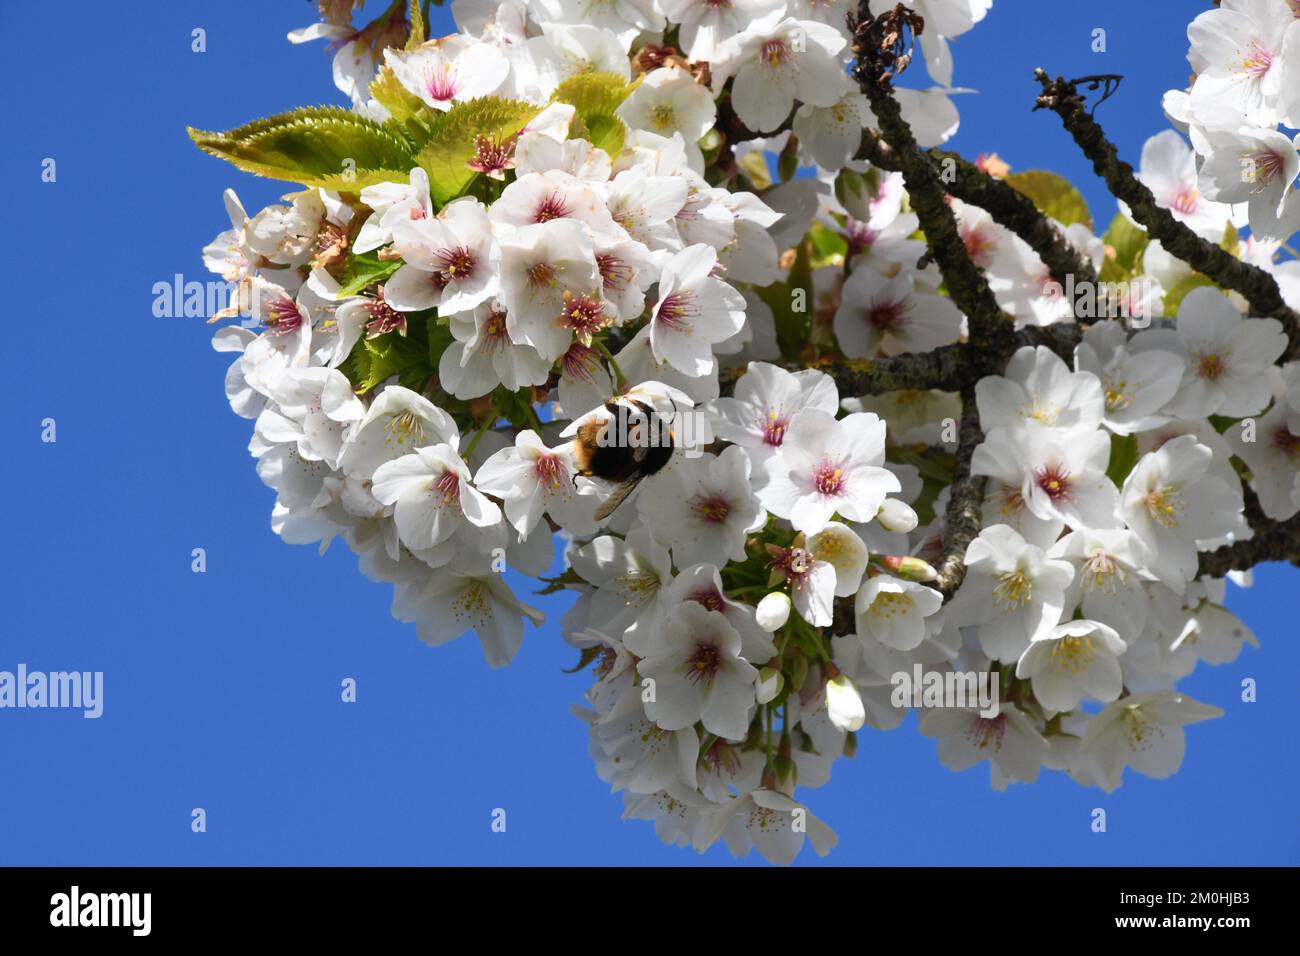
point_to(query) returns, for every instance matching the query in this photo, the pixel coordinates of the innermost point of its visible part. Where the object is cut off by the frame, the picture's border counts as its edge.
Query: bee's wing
(616, 498)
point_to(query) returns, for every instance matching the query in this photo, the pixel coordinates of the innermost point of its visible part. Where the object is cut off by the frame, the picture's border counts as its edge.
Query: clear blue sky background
(223, 688)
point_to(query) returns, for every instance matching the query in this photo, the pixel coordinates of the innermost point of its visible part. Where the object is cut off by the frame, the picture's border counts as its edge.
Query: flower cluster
(568, 211)
(1246, 59)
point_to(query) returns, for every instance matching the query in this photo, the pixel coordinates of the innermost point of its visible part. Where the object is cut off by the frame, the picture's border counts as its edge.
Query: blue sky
(223, 688)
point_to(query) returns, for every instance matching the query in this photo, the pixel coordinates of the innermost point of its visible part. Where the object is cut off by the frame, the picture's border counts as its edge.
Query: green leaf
(1123, 456)
(1125, 244)
(1054, 196)
(791, 304)
(404, 106)
(451, 144)
(388, 355)
(322, 146)
(828, 247)
(440, 338)
(364, 270)
(1231, 242)
(754, 165)
(416, 19)
(1174, 297)
(596, 96)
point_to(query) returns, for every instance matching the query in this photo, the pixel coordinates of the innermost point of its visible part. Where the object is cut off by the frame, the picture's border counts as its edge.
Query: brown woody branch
(1258, 287)
(964, 516)
(990, 330)
(1274, 541)
(1008, 206)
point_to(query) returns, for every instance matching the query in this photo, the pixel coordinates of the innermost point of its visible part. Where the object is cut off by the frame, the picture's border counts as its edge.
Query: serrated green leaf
(1125, 243)
(322, 146)
(364, 270)
(1174, 297)
(403, 105)
(1054, 196)
(451, 144)
(596, 97)
(378, 359)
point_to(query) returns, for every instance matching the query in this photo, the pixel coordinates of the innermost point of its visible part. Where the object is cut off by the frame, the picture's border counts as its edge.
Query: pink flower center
(440, 83)
(448, 486)
(383, 317)
(775, 52)
(794, 563)
(703, 664)
(828, 479)
(581, 363)
(887, 316)
(675, 311)
(282, 317)
(979, 245)
(712, 509)
(774, 427)
(454, 265)
(1210, 365)
(552, 207)
(1186, 200)
(615, 273)
(541, 274)
(550, 471)
(860, 236)
(1258, 61)
(583, 315)
(491, 157)
(709, 597)
(986, 734)
(494, 331)
(1285, 442)
(1055, 482)
(1266, 165)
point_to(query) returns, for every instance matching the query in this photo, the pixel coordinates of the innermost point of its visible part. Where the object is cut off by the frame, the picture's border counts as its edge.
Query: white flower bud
(895, 515)
(844, 705)
(773, 611)
(770, 683)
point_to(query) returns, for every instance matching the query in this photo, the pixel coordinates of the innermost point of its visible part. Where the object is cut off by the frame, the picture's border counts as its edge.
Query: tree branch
(1275, 541)
(877, 45)
(1008, 206)
(964, 516)
(1258, 287)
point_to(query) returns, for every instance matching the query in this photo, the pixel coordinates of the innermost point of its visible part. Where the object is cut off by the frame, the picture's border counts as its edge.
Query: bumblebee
(635, 441)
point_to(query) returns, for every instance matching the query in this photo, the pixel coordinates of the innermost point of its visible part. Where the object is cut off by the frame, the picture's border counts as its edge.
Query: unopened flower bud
(773, 611)
(895, 515)
(844, 705)
(770, 682)
(911, 569)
